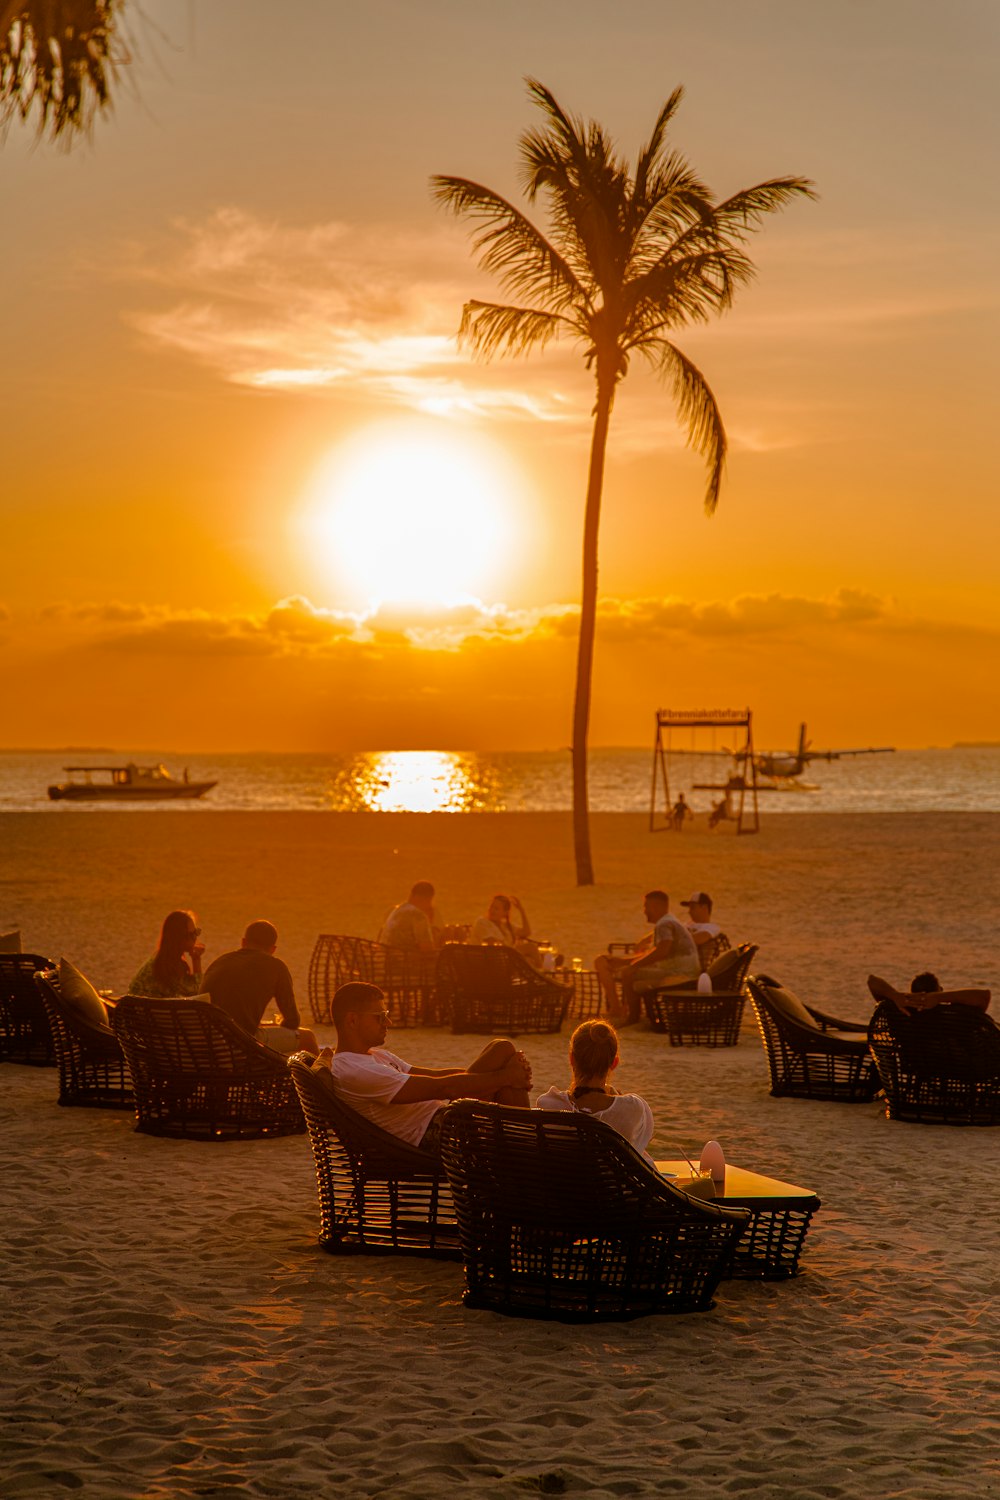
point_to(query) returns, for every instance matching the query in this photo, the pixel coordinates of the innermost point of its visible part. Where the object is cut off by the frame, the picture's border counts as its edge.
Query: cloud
(328, 308)
(295, 627)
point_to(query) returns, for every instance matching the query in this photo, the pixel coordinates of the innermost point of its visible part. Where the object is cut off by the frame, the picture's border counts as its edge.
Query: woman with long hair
(593, 1057)
(175, 967)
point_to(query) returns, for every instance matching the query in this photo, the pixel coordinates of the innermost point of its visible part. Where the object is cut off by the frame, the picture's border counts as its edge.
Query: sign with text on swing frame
(741, 780)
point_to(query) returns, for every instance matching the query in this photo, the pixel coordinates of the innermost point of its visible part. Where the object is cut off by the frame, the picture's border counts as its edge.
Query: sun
(407, 515)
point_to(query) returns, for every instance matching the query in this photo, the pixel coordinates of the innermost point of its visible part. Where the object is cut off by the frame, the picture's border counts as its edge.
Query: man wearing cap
(710, 940)
(405, 1100)
(666, 953)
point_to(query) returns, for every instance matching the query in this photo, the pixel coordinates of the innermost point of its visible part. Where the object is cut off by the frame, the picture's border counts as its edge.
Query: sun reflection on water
(417, 781)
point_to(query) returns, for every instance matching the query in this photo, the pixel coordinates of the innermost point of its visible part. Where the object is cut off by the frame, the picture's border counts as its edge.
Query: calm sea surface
(445, 781)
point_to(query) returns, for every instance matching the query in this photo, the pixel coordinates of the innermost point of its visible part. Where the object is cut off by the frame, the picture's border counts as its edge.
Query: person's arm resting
(420, 1087)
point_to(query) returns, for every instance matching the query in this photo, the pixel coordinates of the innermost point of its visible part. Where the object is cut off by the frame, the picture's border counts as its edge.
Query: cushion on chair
(80, 995)
(789, 1005)
(723, 970)
(10, 942)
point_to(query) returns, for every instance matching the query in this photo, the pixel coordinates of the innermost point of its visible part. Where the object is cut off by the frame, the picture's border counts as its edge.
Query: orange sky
(229, 384)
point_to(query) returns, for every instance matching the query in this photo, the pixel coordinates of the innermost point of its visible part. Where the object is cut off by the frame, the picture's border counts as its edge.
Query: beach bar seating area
(939, 1066)
(197, 1075)
(560, 1218)
(811, 1055)
(376, 1193)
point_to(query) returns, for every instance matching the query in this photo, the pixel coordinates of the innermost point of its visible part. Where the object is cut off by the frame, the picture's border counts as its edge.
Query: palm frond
(698, 410)
(509, 245)
(58, 58)
(648, 156)
(744, 210)
(490, 328)
(684, 289)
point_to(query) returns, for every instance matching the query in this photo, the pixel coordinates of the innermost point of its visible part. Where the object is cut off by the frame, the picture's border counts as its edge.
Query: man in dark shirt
(243, 984)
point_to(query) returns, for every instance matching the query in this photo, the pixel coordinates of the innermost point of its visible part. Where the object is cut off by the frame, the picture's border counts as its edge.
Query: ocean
(955, 780)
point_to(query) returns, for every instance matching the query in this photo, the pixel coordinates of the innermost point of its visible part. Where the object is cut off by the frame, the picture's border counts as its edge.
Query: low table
(693, 1019)
(780, 1214)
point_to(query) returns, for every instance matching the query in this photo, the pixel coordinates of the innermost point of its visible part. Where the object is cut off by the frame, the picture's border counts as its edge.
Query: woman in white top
(497, 927)
(593, 1057)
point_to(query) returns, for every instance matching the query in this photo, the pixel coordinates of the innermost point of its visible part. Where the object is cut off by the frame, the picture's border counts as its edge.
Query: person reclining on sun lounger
(400, 1098)
(925, 992)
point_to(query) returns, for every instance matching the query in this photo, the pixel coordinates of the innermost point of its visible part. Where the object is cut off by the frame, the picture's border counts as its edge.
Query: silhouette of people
(679, 812)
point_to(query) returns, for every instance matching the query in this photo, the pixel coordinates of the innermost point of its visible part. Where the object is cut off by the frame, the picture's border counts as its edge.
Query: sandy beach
(173, 1330)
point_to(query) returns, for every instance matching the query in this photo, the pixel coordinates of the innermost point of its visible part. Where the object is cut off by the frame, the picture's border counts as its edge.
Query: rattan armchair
(938, 1066)
(92, 1069)
(492, 990)
(198, 1075)
(811, 1055)
(25, 1033)
(406, 977)
(377, 1194)
(693, 1019)
(560, 1217)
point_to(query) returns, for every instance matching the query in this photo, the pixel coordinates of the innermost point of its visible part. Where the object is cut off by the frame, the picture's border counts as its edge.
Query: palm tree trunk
(588, 621)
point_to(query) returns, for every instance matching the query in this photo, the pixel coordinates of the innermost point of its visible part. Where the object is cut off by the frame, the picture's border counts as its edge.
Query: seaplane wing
(839, 754)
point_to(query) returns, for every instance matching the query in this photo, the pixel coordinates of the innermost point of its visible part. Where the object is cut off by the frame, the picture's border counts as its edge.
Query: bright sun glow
(404, 515)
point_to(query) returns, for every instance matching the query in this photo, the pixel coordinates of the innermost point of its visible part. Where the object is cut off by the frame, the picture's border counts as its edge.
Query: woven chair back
(806, 1062)
(940, 1065)
(338, 958)
(560, 1217)
(376, 1192)
(92, 1068)
(491, 989)
(25, 1033)
(196, 1073)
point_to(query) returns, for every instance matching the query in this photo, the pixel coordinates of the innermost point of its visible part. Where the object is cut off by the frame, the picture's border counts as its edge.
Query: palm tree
(629, 257)
(58, 57)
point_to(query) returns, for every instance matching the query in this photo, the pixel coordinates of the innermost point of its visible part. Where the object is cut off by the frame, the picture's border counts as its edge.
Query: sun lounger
(939, 1066)
(811, 1055)
(92, 1068)
(25, 1033)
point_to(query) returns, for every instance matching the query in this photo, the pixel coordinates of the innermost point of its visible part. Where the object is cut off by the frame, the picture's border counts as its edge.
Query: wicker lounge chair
(811, 1055)
(377, 1195)
(711, 1020)
(560, 1218)
(407, 978)
(197, 1075)
(492, 990)
(25, 1033)
(939, 1066)
(92, 1069)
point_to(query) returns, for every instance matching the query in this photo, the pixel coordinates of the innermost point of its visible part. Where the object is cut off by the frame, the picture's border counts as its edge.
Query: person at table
(410, 925)
(593, 1057)
(497, 926)
(666, 953)
(403, 1099)
(243, 984)
(175, 967)
(925, 992)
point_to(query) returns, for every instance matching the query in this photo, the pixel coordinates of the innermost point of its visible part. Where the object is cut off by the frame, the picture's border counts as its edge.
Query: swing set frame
(744, 774)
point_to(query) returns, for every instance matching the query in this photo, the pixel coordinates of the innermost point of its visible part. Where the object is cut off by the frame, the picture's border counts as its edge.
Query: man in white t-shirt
(705, 932)
(668, 952)
(402, 1099)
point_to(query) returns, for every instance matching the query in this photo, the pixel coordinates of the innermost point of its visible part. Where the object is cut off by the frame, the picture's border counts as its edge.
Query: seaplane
(787, 766)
